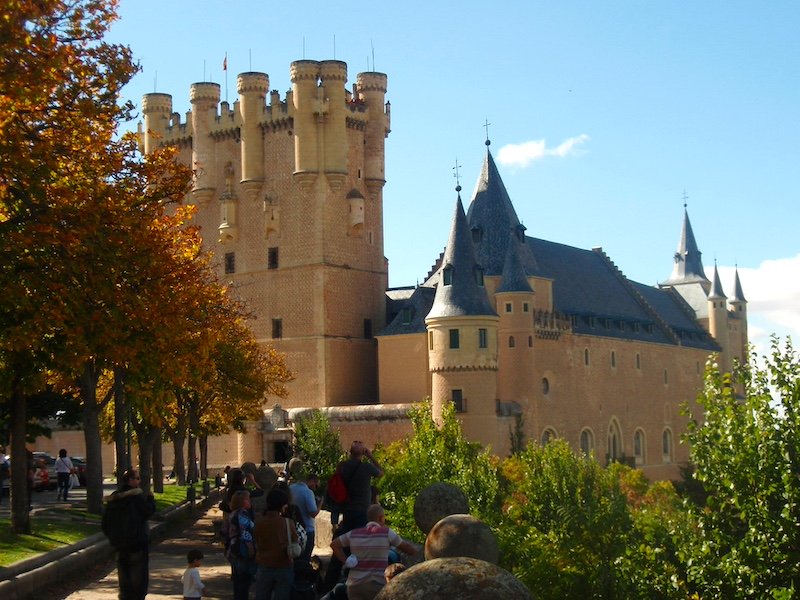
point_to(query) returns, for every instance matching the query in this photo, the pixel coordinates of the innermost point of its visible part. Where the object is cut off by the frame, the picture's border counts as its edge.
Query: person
(308, 505)
(238, 481)
(240, 546)
(393, 570)
(125, 524)
(272, 534)
(64, 468)
(358, 474)
(265, 476)
(369, 551)
(192, 584)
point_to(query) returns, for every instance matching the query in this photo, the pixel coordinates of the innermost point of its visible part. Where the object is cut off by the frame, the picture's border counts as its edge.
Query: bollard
(206, 488)
(190, 493)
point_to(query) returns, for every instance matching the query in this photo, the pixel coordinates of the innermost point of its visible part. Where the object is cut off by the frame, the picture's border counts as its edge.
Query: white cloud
(521, 155)
(772, 291)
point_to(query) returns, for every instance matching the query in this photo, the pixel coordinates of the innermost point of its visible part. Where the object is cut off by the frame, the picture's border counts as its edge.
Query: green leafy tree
(317, 444)
(436, 453)
(746, 539)
(565, 524)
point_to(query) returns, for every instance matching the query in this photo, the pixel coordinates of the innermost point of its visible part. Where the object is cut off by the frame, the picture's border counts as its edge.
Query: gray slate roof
(587, 286)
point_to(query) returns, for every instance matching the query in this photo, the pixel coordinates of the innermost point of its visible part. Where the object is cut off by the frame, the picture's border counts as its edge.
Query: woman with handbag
(64, 470)
(277, 543)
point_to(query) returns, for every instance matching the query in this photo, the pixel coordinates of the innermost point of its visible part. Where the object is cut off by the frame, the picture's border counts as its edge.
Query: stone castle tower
(290, 200)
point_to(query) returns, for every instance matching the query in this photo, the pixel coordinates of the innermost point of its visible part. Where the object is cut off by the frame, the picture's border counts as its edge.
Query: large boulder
(449, 578)
(462, 535)
(436, 502)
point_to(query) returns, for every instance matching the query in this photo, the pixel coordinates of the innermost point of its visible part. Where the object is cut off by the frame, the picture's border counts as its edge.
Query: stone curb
(23, 579)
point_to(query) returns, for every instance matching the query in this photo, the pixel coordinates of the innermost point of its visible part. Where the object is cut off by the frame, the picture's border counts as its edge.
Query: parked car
(79, 463)
(47, 480)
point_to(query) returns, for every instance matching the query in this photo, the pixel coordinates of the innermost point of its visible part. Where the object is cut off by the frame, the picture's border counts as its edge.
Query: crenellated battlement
(204, 94)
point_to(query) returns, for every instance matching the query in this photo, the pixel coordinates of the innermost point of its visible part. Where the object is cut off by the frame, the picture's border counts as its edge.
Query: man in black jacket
(125, 525)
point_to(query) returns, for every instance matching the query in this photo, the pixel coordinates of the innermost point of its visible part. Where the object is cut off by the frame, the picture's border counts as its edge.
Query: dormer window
(478, 272)
(477, 235)
(447, 275)
(520, 231)
(405, 315)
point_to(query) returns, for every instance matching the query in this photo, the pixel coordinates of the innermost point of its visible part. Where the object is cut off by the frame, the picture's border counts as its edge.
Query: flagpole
(225, 68)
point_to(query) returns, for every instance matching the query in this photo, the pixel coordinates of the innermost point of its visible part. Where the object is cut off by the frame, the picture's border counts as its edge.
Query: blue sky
(602, 115)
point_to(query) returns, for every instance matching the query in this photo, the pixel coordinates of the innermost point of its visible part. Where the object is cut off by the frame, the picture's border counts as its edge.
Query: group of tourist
(267, 548)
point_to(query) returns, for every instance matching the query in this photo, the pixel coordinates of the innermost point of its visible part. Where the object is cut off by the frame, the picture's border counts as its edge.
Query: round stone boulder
(462, 535)
(436, 502)
(448, 578)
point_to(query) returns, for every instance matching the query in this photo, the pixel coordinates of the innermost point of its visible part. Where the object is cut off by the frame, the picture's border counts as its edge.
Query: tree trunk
(158, 464)
(203, 442)
(146, 436)
(20, 517)
(120, 431)
(194, 422)
(179, 465)
(87, 383)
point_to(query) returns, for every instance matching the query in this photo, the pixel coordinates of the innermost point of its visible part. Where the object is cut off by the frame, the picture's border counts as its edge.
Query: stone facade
(553, 340)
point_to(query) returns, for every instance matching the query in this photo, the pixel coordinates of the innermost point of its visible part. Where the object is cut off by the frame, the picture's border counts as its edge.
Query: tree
(436, 453)
(59, 85)
(745, 542)
(317, 444)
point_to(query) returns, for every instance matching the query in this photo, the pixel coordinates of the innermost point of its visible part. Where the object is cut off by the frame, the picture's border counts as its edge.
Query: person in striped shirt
(369, 553)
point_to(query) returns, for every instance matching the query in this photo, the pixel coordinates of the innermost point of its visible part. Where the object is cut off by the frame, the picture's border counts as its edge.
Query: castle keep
(524, 336)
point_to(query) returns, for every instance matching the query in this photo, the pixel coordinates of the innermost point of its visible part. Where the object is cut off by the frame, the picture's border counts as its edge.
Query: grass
(50, 529)
(57, 527)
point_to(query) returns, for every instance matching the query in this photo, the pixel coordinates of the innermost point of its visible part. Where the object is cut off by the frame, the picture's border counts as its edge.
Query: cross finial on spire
(685, 197)
(486, 127)
(455, 174)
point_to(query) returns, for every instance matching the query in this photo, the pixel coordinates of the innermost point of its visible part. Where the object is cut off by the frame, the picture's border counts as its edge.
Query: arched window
(614, 442)
(586, 356)
(548, 435)
(613, 359)
(530, 341)
(638, 446)
(511, 342)
(478, 273)
(666, 445)
(587, 442)
(545, 386)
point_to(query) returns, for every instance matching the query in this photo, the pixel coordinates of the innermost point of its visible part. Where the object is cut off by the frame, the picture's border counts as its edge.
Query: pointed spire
(491, 217)
(514, 277)
(688, 258)
(460, 290)
(716, 292)
(738, 294)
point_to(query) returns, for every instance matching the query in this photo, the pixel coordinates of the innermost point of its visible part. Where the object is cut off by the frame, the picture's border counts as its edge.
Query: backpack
(235, 546)
(337, 488)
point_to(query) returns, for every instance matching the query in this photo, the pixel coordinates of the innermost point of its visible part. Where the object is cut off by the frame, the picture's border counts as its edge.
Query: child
(192, 586)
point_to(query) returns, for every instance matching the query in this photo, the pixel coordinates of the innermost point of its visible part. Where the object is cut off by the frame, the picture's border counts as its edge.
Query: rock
(462, 535)
(449, 578)
(436, 502)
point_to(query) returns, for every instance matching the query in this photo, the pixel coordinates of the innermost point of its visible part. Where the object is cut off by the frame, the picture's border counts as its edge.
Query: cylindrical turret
(252, 88)
(333, 74)
(372, 89)
(204, 98)
(156, 109)
(307, 106)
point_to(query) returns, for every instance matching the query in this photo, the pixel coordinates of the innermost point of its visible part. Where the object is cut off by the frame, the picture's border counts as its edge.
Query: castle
(526, 337)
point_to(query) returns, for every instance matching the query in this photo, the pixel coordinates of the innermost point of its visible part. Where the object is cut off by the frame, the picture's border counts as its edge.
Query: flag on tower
(225, 62)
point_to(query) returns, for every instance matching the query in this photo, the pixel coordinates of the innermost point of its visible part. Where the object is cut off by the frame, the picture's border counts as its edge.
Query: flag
(225, 62)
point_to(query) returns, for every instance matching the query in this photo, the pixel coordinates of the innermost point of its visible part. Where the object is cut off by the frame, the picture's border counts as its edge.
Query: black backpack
(117, 526)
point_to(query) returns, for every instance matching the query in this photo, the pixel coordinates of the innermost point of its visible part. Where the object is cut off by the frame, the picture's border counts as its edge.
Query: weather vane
(685, 198)
(455, 174)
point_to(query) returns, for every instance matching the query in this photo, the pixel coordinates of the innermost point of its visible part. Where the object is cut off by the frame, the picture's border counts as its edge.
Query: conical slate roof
(514, 278)
(460, 291)
(491, 218)
(716, 287)
(738, 294)
(688, 266)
